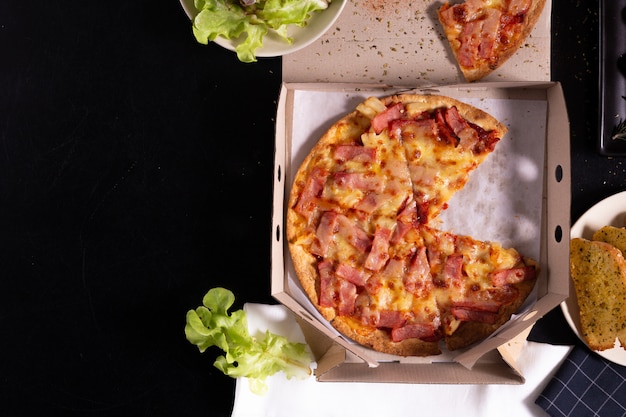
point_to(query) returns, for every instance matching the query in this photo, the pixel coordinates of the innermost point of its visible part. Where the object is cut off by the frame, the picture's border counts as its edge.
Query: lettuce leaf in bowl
(232, 19)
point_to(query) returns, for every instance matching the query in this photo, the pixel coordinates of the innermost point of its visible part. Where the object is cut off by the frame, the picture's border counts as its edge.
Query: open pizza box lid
(399, 42)
(529, 200)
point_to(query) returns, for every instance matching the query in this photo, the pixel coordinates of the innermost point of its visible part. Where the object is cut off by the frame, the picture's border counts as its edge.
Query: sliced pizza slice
(447, 288)
(444, 140)
(479, 284)
(343, 208)
(484, 34)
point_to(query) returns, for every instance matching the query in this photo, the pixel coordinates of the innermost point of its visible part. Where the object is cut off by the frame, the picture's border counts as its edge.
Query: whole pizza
(365, 239)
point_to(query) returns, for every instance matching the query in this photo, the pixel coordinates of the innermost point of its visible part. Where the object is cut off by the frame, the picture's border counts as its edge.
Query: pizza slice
(444, 141)
(483, 34)
(449, 288)
(479, 284)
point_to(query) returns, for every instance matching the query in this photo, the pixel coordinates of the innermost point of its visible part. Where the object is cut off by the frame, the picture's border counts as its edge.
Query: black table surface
(136, 173)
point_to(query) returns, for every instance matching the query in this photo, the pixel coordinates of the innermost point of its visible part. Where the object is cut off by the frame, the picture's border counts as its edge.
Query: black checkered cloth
(585, 385)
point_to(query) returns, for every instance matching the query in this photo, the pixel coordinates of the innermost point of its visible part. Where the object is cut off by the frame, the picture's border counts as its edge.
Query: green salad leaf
(245, 355)
(231, 19)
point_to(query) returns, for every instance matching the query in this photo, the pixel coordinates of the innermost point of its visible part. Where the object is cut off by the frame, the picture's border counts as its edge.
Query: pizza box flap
(490, 361)
(397, 42)
(336, 364)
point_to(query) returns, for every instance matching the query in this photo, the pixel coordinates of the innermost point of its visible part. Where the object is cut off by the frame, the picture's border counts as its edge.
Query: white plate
(610, 211)
(274, 45)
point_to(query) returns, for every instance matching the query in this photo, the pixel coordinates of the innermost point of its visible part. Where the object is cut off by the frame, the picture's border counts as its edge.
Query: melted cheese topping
(437, 171)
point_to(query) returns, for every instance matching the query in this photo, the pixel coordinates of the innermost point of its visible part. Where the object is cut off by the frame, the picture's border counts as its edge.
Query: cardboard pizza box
(524, 193)
(399, 42)
(380, 47)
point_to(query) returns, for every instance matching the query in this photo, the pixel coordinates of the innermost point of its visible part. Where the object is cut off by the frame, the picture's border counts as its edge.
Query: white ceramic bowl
(274, 45)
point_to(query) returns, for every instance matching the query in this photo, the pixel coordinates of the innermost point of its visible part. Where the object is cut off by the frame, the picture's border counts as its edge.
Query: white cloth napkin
(304, 398)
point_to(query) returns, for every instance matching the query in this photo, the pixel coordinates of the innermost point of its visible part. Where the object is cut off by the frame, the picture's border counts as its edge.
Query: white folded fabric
(309, 398)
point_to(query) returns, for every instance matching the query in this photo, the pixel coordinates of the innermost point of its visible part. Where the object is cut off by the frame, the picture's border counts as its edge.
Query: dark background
(136, 173)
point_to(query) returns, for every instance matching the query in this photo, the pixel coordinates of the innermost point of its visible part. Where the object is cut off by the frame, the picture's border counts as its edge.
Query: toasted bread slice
(615, 236)
(598, 271)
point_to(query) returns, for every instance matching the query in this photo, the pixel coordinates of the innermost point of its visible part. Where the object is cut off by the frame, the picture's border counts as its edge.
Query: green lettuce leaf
(291, 12)
(249, 24)
(245, 356)
(219, 18)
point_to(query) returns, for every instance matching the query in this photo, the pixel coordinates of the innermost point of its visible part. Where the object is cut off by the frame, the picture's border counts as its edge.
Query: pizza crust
(471, 332)
(469, 112)
(379, 340)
